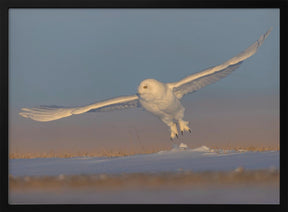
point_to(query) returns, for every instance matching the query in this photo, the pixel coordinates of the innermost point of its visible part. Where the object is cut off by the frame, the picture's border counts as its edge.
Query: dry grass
(247, 148)
(103, 181)
(103, 153)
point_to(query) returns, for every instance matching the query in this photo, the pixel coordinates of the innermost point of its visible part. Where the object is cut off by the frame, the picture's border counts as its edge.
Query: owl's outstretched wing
(50, 113)
(198, 80)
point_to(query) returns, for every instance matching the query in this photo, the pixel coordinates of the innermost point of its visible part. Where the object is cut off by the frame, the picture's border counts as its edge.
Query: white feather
(50, 113)
(196, 81)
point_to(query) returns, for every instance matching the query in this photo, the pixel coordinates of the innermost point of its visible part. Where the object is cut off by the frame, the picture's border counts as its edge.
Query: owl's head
(151, 89)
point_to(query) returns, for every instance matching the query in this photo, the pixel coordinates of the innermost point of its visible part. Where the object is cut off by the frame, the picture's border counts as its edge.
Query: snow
(178, 161)
(178, 158)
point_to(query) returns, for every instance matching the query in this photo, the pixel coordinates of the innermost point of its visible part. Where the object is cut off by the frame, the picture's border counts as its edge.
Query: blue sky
(74, 57)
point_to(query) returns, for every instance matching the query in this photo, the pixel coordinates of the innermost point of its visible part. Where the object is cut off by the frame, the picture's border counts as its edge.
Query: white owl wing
(50, 113)
(199, 80)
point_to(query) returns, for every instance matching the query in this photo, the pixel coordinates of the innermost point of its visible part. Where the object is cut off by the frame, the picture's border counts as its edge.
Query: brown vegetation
(105, 153)
(182, 178)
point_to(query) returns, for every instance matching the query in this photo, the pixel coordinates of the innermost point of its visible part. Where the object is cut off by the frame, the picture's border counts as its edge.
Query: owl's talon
(183, 125)
(173, 130)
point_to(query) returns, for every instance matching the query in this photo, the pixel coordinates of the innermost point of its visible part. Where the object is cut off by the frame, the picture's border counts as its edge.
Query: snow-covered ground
(179, 159)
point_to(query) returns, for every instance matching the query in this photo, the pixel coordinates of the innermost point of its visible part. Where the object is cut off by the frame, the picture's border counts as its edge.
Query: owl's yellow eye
(145, 86)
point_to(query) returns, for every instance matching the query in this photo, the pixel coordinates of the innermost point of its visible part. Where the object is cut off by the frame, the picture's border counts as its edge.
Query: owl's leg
(183, 125)
(173, 127)
(173, 130)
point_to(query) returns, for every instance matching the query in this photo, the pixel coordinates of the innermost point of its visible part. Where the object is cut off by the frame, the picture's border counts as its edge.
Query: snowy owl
(161, 99)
